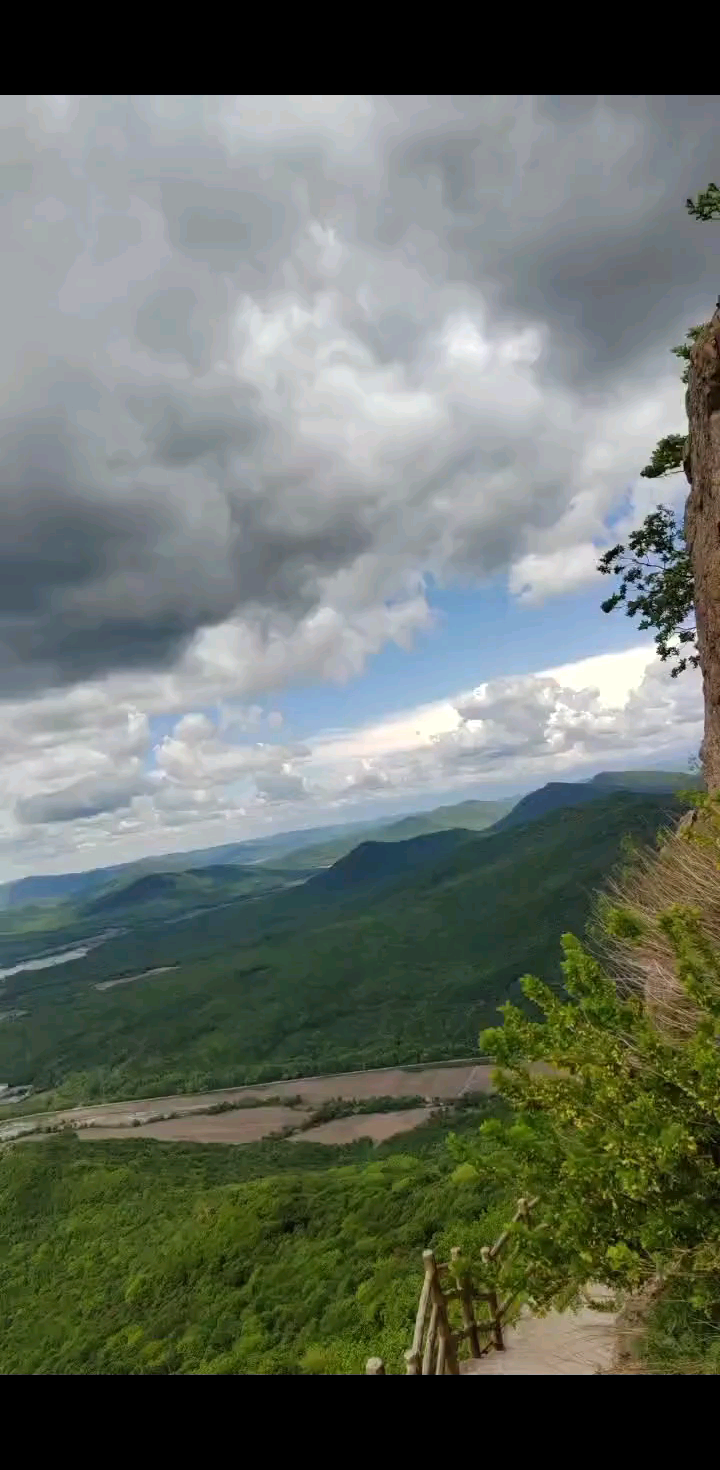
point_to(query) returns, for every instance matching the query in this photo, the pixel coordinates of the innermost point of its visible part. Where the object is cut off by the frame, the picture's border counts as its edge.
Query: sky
(316, 415)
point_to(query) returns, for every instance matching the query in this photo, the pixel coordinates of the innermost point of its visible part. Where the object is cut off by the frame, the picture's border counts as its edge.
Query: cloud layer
(84, 782)
(267, 364)
(266, 358)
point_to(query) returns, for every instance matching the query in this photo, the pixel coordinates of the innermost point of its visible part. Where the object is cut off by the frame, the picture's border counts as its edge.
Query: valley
(359, 734)
(250, 1112)
(433, 1085)
(398, 954)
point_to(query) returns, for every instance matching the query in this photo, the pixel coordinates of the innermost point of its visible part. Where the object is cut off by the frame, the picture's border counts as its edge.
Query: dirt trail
(563, 1343)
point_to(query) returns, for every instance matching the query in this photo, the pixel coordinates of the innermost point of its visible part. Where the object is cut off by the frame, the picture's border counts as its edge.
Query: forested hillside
(323, 980)
(274, 1258)
(470, 816)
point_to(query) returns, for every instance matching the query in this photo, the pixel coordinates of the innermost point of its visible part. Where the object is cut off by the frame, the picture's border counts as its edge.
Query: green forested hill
(555, 796)
(471, 816)
(410, 972)
(57, 888)
(136, 1257)
(372, 865)
(558, 794)
(160, 892)
(656, 781)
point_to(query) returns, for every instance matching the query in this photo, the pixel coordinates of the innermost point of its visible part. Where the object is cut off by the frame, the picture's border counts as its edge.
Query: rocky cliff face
(702, 527)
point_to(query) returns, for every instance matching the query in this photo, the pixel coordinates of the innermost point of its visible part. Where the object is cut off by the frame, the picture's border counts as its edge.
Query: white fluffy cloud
(514, 732)
(197, 756)
(525, 724)
(84, 783)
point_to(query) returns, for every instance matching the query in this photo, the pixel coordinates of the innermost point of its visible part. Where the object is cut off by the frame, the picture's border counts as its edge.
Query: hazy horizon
(379, 816)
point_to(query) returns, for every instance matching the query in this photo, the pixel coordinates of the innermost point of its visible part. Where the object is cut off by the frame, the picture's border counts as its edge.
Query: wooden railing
(436, 1340)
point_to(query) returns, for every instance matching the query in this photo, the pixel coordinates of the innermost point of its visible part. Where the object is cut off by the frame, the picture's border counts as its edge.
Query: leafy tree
(667, 456)
(621, 1138)
(657, 582)
(683, 352)
(655, 567)
(707, 205)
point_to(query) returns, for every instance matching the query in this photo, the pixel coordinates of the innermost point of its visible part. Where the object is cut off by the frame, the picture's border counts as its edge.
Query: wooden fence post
(497, 1321)
(413, 1358)
(488, 1254)
(431, 1342)
(444, 1329)
(435, 1341)
(464, 1287)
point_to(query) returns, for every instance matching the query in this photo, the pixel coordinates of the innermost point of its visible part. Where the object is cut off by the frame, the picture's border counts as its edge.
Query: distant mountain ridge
(471, 816)
(216, 883)
(56, 887)
(148, 888)
(321, 847)
(557, 794)
(549, 798)
(654, 782)
(372, 864)
(400, 953)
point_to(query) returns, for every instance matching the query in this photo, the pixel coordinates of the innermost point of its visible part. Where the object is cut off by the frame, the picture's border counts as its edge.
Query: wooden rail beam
(464, 1292)
(435, 1341)
(443, 1324)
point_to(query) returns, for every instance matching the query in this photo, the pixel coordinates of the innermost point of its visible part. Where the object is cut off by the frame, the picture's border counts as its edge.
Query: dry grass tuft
(682, 870)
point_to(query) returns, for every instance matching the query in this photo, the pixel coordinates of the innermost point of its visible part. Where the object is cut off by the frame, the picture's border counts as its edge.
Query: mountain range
(285, 857)
(401, 951)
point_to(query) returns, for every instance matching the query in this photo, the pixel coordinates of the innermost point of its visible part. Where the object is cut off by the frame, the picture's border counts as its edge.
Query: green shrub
(619, 1135)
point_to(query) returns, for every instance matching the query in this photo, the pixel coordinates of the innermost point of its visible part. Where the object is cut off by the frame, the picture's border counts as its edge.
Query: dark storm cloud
(572, 209)
(82, 799)
(181, 431)
(83, 581)
(167, 459)
(164, 323)
(90, 581)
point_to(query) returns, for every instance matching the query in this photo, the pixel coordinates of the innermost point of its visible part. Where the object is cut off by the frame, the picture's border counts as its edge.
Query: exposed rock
(702, 526)
(689, 820)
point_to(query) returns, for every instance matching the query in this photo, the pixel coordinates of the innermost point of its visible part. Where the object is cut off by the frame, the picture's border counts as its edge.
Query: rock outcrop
(702, 526)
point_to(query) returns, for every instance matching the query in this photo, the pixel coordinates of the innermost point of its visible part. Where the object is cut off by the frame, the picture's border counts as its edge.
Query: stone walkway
(576, 1343)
